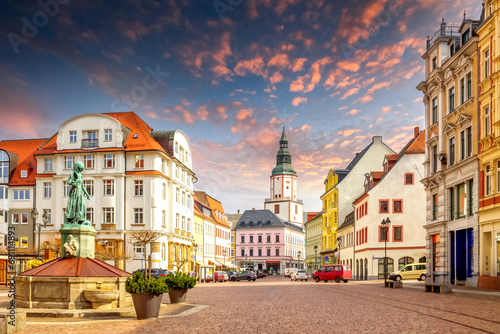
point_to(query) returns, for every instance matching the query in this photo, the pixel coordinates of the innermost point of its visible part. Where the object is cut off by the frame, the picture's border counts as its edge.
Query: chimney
(253, 209)
(416, 131)
(377, 139)
(238, 210)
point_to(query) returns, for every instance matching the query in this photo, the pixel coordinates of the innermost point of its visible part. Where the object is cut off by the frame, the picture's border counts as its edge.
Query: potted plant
(146, 294)
(178, 285)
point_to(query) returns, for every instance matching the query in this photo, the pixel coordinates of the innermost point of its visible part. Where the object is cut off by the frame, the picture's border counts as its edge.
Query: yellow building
(489, 152)
(330, 216)
(314, 233)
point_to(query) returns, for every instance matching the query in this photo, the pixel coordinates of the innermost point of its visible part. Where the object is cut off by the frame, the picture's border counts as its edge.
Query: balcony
(108, 227)
(90, 143)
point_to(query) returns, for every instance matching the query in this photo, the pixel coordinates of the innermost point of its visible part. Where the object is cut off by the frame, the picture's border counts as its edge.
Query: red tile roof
(418, 144)
(215, 205)
(24, 150)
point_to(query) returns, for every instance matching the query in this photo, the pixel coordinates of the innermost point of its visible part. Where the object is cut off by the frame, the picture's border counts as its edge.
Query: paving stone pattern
(276, 305)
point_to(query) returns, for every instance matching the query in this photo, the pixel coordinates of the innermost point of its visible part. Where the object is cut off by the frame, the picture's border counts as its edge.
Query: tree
(145, 237)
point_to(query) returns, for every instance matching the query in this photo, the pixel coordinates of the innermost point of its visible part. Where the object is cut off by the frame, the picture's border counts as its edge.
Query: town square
(277, 166)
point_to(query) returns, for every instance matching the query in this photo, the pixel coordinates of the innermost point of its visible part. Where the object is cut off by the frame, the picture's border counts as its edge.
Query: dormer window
(465, 36)
(108, 135)
(24, 174)
(136, 135)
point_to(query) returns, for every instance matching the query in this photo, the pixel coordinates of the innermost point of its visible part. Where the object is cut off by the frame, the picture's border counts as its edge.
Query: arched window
(357, 268)
(366, 269)
(404, 261)
(361, 269)
(422, 259)
(390, 267)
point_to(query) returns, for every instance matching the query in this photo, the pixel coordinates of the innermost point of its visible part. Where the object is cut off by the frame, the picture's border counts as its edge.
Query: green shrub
(180, 281)
(138, 283)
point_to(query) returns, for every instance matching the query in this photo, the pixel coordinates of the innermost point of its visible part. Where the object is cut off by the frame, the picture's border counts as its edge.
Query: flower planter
(147, 305)
(177, 296)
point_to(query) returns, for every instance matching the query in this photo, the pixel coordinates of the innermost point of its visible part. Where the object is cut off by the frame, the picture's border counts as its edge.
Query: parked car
(220, 276)
(336, 272)
(301, 274)
(230, 273)
(244, 275)
(289, 272)
(157, 272)
(410, 271)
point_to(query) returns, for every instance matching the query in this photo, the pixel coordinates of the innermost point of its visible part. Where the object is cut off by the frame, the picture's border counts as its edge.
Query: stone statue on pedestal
(76, 211)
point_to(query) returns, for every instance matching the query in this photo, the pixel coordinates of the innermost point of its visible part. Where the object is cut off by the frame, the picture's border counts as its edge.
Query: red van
(333, 272)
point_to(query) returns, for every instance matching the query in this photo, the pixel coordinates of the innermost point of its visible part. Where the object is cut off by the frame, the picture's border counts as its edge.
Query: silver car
(300, 274)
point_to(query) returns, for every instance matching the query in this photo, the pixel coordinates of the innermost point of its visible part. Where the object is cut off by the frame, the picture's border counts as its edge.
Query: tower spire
(283, 158)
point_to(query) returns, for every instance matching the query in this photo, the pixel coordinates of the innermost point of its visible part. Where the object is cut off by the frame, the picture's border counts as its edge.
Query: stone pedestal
(77, 241)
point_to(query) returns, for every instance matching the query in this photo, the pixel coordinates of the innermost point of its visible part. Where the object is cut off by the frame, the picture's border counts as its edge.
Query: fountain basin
(101, 299)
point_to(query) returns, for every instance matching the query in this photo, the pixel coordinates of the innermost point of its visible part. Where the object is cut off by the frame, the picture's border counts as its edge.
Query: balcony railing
(90, 143)
(108, 227)
(444, 31)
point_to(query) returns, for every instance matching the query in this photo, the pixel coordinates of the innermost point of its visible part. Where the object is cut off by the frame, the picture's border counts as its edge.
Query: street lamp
(316, 256)
(34, 216)
(298, 260)
(224, 253)
(339, 244)
(386, 223)
(195, 247)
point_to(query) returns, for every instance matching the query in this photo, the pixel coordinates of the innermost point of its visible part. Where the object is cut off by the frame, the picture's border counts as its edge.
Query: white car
(300, 274)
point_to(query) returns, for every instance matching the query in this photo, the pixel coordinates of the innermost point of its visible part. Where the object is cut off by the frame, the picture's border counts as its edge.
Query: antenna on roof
(464, 14)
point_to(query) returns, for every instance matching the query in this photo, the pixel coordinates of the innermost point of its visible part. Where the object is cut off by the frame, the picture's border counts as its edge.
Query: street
(277, 305)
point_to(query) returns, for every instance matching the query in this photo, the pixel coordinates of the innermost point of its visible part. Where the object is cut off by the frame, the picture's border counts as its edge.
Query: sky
(230, 74)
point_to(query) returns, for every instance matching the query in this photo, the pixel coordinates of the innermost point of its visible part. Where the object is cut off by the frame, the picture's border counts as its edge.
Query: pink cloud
(329, 145)
(254, 66)
(353, 112)
(348, 132)
(244, 113)
(298, 100)
(385, 109)
(350, 92)
(280, 60)
(298, 64)
(275, 78)
(348, 66)
(305, 128)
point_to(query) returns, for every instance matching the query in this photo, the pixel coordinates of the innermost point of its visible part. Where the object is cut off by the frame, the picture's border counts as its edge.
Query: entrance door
(461, 255)
(452, 257)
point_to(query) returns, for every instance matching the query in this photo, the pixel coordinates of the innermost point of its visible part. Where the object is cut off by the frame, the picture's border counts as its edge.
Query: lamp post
(386, 223)
(224, 253)
(34, 216)
(195, 247)
(339, 244)
(298, 260)
(316, 256)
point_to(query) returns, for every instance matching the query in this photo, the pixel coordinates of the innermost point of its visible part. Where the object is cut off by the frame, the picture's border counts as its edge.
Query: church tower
(283, 201)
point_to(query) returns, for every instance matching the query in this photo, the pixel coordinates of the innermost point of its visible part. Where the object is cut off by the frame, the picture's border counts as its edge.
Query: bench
(393, 284)
(438, 288)
(20, 323)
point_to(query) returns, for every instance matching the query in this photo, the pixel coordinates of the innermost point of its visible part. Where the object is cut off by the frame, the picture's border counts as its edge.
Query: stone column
(170, 254)
(119, 263)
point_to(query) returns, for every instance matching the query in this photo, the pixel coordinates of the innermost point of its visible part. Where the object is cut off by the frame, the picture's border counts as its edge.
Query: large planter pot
(177, 296)
(146, 305)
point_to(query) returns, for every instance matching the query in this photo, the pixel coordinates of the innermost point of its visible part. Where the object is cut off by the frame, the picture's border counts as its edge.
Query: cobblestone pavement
(276, 305)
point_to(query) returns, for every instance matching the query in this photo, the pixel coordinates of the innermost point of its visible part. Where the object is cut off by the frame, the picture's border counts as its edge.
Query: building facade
(451, 166)
(137, 179)
(489, 153)
(314, 234)
(394, 194)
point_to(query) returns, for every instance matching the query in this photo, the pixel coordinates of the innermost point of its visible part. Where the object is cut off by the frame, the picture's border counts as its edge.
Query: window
(49, 165)
(268, 252)
(408, 178)
(163, 251)
(88, 161)
(139, 161)
(462, 145)
(434, 63)
(277, 238)
(108, 135)
(138, 216)
(434, 206)
(189, 201)
(465, 36)
(183, 197)
(109, 187)
(251, 239)
(162, 166)
(486, 63)
(66, 189)
(259, 238)
(109, 161)
(259, 252)
(469, 141)
(434, 158)
(397, 233)
(108, 215)
(451, 99)
(242, 252)
(20, 218)
(90, 215)
(138, 187)
(183, 226)
(470, 202)
(461, 200)
(242, 239)
(69, 161)
(177, 220)
(163, 218)
(469, 85)
(251, 252)
(434, 111)
(72, 136)
(462, 90)
(89, 186)
(49, 213)
(451, 152)
(164, 191)
(24, 174)
(384, 206)
(3, 193)
(397, 206)
(188, 225)
(452, 203)
(276, 252)
(487, 121)
(20, 195)
(452, 49)
(276, 208)
(487, 181)
(47, 189)
(177, 193)
(383, 234)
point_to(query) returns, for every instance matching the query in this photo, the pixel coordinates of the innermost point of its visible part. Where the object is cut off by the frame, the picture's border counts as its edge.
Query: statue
(76, 211)
(70, 246)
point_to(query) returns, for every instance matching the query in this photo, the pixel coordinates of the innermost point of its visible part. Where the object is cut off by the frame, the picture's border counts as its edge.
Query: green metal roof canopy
(283, 158)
